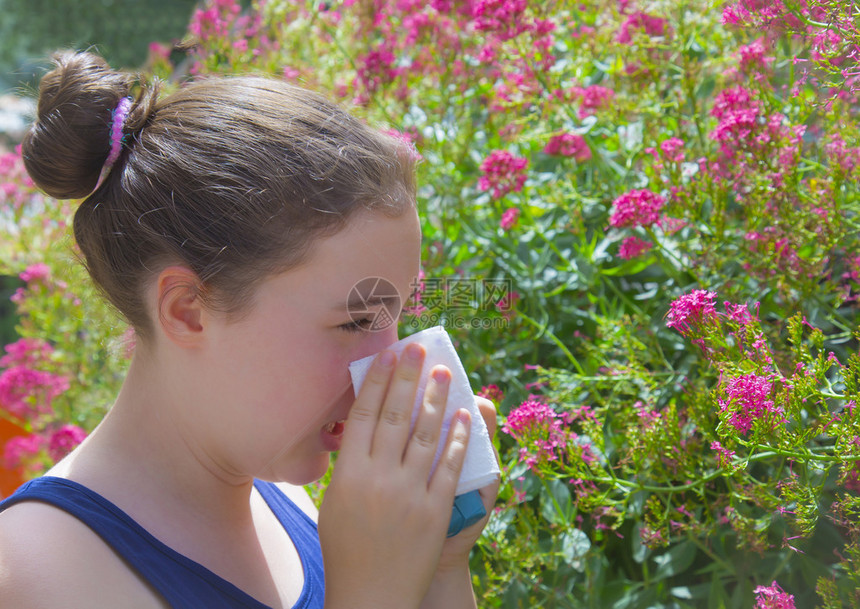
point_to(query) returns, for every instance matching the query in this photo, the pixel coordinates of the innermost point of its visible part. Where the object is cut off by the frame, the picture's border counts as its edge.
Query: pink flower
(507, 302)
(738, 313)
(160, 51)
(725, 456)
(636, 208)
(568, 144)
(377, 68)
(502, 17)
(760, 14)
(24, 391)
(747, 400)
(633, 247)
(20, 448)
(503, 172)
(26, 352)
(509, 218)
(752, 56)
(592, 98)
(539, 430)
(773, 597)
(671, 149)
(213, 22)
(35, 272)
(408, 140)
(650, 25)
(63, 440)
(732, 100)
(671, 226)
(492, 393)
(840, 154)
(690, 311)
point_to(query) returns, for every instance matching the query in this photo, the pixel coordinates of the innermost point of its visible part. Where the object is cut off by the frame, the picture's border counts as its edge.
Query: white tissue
(480, 466)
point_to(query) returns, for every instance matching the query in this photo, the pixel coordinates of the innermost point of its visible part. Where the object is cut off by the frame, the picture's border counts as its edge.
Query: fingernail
(414, 352)
(386, 359)
(464, 417)
(441, 376)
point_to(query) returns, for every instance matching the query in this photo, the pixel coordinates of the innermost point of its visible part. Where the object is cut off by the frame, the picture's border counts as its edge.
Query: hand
(455, 552)
(382, 523)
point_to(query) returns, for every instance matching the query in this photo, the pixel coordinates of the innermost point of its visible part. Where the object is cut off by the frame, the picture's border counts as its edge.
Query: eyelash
(355, 326)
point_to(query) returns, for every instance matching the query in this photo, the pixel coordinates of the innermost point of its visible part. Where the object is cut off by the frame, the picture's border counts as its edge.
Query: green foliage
(121, 30)
(641, 224)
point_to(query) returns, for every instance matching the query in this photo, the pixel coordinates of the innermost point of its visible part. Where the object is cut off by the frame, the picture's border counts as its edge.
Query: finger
(447, 474)
(488, 495)
(395, 418)
(488, 413)
(364, 414)
(424, 441)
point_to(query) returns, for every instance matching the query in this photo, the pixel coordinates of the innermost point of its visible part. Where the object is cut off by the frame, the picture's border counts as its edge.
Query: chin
(298, 474)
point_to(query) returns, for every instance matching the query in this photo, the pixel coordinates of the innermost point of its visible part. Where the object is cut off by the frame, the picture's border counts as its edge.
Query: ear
(180, 308)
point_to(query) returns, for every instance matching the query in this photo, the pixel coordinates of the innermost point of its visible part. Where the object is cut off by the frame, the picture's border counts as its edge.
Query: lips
(335, 428)
(332, 435)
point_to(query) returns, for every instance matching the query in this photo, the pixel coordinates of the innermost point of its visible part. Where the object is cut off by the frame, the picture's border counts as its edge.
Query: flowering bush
(57, 380)
(669, 191)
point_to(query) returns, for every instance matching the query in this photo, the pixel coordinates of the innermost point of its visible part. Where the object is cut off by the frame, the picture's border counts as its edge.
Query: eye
(356, 325)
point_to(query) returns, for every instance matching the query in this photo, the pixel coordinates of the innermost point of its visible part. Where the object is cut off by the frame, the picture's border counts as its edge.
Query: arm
(451, 589)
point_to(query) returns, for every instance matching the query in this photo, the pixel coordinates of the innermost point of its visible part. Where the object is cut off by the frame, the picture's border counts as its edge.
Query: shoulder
(48, 558)
(300, 497)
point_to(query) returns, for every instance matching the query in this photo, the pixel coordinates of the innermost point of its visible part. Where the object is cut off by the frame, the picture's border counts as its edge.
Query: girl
(227, 223)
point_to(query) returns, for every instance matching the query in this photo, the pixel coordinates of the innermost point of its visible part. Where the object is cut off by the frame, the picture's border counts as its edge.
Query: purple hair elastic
(119, 115)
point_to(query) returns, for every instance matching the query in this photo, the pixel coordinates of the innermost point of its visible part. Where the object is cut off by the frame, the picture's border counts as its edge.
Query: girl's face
(278, 382)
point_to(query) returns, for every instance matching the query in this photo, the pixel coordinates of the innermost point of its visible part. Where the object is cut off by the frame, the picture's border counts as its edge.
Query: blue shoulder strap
(185, 584)
(303, 531)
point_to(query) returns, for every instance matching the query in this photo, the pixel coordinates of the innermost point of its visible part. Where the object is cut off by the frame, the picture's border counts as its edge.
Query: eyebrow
(372, 301)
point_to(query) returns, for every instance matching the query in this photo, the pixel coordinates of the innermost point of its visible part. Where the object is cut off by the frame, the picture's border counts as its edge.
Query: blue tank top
(185, 584)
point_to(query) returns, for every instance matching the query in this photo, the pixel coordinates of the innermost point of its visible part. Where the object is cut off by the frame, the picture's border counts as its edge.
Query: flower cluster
(503, 17)
(215, 20)
(492, 393)
(28, 452)
(641, 22)
(633, 247)
(773, 597)
(568, 144)
(689, 312)
(509, 218)
(503, 173)
(540, 431)
(591, 98)
(26, 393)
(748, 399)
(636, 208)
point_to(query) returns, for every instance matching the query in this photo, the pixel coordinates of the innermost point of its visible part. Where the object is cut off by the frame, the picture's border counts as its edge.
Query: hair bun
(66, 147)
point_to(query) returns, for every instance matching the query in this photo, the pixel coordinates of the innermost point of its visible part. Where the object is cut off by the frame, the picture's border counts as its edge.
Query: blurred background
(121, 30)
(30, 30)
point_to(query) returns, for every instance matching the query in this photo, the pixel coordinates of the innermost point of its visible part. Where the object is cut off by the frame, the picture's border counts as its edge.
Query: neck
(145, 455)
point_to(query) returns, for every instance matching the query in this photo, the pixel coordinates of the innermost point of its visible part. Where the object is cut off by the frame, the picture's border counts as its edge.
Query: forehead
(371, 245)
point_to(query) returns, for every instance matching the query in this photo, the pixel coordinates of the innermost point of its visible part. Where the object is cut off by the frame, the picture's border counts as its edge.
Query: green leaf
(677, 560)
(574, 546)
(556, 504)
